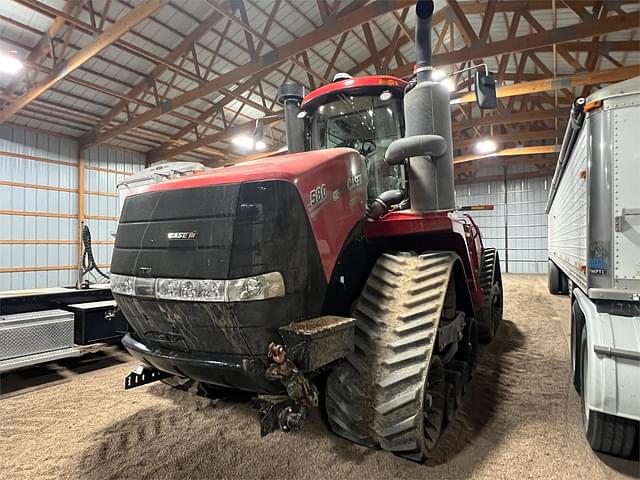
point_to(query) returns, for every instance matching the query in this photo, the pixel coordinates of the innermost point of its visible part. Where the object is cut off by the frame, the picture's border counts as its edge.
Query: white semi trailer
(594, 256)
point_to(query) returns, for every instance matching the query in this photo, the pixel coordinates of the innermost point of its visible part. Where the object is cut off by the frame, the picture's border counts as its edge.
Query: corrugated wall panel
(517, 226)
(105, 167)
(39, 205)
(527, 224)
(37, 224)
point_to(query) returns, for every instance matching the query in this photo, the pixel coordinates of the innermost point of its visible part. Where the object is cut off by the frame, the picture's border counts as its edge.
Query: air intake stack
(290, 96)
(427, 142)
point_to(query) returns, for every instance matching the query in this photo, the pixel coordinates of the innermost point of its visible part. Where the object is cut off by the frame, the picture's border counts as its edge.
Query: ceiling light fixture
(486, 146)
(10, 63)
(243, 141)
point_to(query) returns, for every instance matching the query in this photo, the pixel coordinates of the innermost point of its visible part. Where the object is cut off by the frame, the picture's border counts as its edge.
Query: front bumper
(241, 372)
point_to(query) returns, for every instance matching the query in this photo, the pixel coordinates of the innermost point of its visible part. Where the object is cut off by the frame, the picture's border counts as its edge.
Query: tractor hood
(293, 167)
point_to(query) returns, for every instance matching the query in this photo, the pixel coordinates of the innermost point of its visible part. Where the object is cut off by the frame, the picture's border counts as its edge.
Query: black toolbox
(97, 322)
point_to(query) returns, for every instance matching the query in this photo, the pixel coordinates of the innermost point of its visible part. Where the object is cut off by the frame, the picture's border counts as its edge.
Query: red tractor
(344, 261)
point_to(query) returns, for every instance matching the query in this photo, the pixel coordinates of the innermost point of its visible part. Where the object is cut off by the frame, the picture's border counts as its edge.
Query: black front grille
(143, 245)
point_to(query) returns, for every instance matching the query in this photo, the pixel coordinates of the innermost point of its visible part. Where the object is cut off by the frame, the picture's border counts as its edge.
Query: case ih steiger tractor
(345, 260)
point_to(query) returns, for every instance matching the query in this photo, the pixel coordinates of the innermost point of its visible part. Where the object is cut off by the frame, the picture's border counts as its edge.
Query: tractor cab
(365, 114)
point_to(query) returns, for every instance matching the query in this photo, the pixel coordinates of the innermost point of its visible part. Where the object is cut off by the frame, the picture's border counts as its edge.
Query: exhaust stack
(428, 139)
(424, 12)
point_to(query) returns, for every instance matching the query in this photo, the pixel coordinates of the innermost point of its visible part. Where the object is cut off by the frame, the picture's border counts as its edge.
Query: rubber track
(375, 396)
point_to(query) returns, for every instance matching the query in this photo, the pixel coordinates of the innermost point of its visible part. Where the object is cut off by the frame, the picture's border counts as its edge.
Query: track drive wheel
(391, 391)
(605, 433)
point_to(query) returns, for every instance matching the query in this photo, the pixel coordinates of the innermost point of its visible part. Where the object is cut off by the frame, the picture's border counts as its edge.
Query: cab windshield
(367, 124)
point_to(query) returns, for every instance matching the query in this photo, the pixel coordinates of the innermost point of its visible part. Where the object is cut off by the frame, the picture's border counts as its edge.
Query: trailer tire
(564, 284)
(554, 279)
(605, 433)
(577, 324)
(391, 390)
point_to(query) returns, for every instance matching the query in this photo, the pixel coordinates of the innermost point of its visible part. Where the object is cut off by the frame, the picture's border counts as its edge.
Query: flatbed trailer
(48, 324)
(594, 256)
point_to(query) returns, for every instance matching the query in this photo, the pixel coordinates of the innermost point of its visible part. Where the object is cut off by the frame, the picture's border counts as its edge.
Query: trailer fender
(613, 343)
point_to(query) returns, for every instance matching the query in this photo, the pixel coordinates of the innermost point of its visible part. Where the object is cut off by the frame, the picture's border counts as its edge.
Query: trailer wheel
(554, 279)
(391, 390)
(605, 433)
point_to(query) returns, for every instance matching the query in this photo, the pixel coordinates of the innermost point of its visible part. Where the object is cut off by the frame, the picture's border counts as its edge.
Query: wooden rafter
(184, 129)
(509, 152)
(268, 62)
(531, 41)
(175, 54)
(45, 44)
(550, 84)
(129, 21)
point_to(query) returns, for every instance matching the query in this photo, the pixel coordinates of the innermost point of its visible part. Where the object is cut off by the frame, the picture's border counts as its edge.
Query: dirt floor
(520, 419)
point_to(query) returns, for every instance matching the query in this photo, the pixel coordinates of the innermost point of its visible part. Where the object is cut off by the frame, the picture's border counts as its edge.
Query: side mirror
(486, 90)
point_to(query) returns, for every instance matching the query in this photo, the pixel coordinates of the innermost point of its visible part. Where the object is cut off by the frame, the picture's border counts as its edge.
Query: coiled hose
(88, 262)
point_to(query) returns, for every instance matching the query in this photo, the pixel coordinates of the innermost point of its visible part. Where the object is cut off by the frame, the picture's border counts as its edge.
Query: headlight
(190, 290)
(122, 284)
(259, 287)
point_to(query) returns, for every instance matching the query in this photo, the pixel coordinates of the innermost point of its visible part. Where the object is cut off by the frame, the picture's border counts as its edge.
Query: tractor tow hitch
(285, 412)
(143, 375)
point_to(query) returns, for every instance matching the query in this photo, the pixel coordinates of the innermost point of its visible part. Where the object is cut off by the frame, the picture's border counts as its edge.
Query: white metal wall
(38, 209)
(517, 226)
(39, 205)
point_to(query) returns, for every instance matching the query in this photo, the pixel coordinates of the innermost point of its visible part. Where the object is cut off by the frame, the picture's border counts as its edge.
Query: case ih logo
(182, 235)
